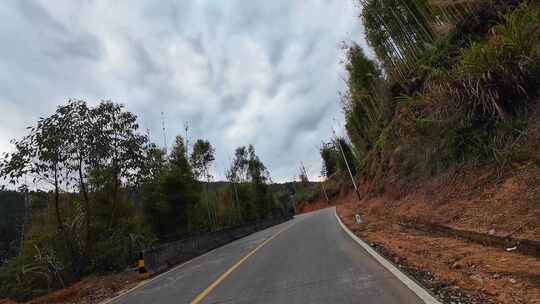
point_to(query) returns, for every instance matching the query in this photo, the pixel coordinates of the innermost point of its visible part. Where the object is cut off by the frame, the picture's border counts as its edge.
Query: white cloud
(240, 72)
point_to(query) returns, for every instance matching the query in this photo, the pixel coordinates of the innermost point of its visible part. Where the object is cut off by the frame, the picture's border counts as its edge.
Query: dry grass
(90, 290)
(468, 198)
(491, 273)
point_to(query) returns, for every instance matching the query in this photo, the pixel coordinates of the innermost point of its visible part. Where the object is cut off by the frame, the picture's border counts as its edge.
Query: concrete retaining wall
(160, 258)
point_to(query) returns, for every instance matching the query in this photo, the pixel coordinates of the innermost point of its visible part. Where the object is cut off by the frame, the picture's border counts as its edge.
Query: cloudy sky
(238, 72)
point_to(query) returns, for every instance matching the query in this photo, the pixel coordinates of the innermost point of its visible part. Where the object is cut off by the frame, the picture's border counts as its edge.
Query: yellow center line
(221, 278)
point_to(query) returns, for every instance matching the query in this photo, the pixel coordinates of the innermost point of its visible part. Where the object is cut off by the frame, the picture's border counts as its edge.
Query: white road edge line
(141, 284)
(423, 294)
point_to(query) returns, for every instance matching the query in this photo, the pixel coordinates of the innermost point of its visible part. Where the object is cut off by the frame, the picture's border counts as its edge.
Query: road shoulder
(405, 279)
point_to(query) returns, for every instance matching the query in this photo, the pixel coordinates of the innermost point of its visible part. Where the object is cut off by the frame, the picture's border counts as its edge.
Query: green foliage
(124, 243)
(519, 30)
(201, 160)
(23, 278)
(440, 58)
(168, 197)
(479, 58)
(346, 159)
(303, 191)
(329, 157)
(338, 158)
(398, 31)
(367, 105)
(460, 95)
(12, 204)
(497, 76)
(249, 180)
(110, 194)
(45, 261)
(202, 157)
(87, 158)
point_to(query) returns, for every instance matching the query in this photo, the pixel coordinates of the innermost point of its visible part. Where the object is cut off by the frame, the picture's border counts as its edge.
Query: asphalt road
(306, 260)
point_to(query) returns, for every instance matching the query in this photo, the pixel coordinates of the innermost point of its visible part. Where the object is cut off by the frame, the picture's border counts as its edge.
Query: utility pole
(303, 170)
(26, 215)
(186, 128)
(347, 164)
(207, 199)
(295, 193)
(164, 133)
(237, 199)
(324, 192)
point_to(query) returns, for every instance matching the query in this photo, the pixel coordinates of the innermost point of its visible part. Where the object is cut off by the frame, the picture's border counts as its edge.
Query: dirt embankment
(455, 267)
(90, 290)
(320, 203)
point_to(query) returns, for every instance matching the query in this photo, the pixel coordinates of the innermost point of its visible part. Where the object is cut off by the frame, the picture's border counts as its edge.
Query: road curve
(307, 260)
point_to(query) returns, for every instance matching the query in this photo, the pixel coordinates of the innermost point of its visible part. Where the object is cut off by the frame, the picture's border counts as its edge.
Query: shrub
(500, 74)
(38, 269)
(520, 31)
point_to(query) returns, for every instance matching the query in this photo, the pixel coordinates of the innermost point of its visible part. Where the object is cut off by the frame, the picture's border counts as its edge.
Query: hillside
(445, 131)
(435, 162)
(447, 232)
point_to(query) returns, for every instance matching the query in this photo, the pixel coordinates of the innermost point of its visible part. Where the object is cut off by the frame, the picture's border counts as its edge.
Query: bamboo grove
(399, 31)
(452, 81)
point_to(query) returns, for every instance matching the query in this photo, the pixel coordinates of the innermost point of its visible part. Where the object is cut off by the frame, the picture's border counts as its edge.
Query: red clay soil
(90, 290)
(312, 206)
(470, 199)
(481, 203)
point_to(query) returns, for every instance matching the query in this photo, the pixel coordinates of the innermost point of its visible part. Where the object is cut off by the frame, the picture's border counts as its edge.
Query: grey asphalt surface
(312, 261)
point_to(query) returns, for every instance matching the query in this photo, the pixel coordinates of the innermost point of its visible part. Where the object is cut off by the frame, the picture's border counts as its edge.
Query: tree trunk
(86, 204)
(238, 214)
(57, 201)
(114, 197)
(210, 222)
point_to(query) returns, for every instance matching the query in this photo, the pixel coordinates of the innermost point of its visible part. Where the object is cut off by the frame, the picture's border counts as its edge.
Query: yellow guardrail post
(143, 273)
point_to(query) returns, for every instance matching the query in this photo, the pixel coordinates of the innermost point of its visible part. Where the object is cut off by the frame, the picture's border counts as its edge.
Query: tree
(77, 152)
(240, 164)
(402, 31)
(346, 159)
(398, 31)
(201, 159)
(259, 177)
(304, 180)
(333, 153)
(329, 156)
(236, 175)
(47, 154)
(118, 154)
(249, 179)
(171, 194)
(367, 104)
